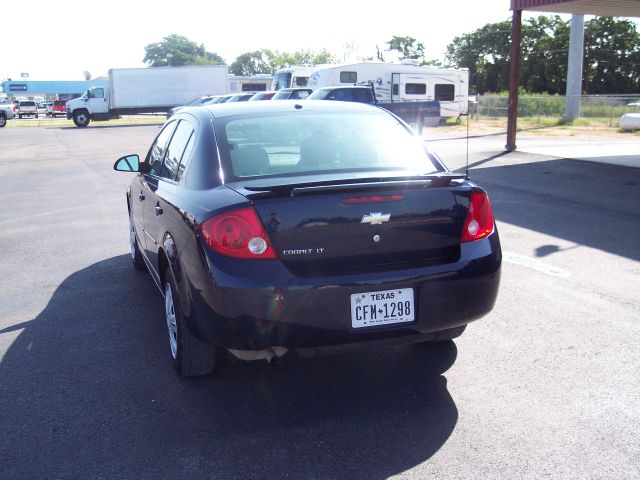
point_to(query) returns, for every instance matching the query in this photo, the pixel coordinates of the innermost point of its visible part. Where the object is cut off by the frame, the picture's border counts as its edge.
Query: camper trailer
(291, 77)
(401, 82)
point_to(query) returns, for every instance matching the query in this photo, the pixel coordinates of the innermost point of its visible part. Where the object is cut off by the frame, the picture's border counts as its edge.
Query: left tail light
(238, 234)
(479, 221)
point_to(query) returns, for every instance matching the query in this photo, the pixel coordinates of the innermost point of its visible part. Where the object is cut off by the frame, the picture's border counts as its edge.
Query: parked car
(57, 107)
(226, 98)
(191, 103)
(262, 96)
(27, 108)
(351, 93)
(292, 94)
(7, 112)
(212, 100)
(240, 97)
(311, 228)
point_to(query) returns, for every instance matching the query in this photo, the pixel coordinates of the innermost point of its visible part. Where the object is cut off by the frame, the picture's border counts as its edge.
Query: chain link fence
(607, 108)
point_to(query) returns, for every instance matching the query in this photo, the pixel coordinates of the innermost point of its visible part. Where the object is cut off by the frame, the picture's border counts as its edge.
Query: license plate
(372, 309)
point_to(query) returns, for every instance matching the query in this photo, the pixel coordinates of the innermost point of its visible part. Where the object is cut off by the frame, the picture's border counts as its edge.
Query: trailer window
(444, 92)
(348, 77)
(254, 87)
(415, 88)
(301, 81)
(394, 89)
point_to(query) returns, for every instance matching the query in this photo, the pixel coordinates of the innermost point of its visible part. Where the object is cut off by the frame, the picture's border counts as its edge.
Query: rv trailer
(401, 82)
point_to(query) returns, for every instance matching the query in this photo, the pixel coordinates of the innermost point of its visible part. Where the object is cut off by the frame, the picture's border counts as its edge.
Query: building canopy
(607, 8)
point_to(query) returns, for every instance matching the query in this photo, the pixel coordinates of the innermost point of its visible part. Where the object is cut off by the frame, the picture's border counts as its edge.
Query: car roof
(347, 87)
(293, 89)
(224, 110)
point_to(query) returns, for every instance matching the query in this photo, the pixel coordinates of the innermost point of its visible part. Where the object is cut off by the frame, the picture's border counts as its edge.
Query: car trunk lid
(363, 225)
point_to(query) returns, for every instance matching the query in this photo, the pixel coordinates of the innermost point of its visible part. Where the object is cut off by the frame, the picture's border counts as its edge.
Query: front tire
(81, 119)
(190, 355)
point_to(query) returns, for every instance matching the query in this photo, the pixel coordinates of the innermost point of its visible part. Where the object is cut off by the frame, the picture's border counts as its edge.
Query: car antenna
(466, 173)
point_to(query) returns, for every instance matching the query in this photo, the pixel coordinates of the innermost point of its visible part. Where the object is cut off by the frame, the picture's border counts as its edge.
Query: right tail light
(479, 221)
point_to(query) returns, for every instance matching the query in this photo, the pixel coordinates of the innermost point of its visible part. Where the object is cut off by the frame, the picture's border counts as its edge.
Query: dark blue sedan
(276, 228)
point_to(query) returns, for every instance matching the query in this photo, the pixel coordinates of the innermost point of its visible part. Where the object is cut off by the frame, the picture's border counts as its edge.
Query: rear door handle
(159, 210)
(141, 196)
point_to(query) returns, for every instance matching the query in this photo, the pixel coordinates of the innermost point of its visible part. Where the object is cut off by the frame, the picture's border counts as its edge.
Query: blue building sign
(60, 89)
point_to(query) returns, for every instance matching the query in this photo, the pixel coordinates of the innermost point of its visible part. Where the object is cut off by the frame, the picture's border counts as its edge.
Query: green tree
(485, 53)
(611, 63)
(611, 56)
(268, 61)
(176, 51)
(408, 47)
(544, 55)
(253, 63)
(300, 57)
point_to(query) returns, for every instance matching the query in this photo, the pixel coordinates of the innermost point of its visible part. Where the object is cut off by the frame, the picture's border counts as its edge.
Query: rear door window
(159, 148)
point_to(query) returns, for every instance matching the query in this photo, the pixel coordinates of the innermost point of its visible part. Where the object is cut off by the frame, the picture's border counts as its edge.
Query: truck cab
(93, 105)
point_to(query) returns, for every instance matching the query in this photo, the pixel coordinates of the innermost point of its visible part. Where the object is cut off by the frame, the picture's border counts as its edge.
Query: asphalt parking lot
(546, 386)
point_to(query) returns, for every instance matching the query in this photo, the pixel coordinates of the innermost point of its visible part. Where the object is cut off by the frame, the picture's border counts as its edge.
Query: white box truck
(147, 90)
(401, 82)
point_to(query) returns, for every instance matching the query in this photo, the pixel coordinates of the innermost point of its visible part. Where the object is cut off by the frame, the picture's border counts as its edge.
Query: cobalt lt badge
(376, 218)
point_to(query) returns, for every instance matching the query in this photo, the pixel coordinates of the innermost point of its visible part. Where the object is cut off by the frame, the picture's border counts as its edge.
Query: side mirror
(130, 163)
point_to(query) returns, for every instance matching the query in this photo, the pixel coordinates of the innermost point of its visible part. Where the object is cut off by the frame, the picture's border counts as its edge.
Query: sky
(73, 36)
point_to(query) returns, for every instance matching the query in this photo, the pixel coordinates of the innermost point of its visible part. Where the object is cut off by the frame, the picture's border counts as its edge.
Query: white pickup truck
(6, 113)
(27, 108)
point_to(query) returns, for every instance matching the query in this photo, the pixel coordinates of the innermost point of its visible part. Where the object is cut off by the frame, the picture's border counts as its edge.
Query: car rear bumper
(252, 305)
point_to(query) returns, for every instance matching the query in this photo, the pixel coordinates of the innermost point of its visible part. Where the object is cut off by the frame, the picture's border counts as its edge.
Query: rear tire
(191, 356)
(3, 121)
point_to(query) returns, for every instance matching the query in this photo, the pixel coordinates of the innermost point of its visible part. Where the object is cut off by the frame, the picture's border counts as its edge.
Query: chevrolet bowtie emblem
(376, 218)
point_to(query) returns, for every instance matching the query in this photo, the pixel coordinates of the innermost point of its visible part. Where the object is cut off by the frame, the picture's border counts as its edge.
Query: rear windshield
(313, 142)
(60, 102)
(27, 104)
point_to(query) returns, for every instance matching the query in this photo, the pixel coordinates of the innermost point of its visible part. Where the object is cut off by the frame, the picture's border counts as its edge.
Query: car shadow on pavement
(127, 125)
(587, 203)
(88, 391)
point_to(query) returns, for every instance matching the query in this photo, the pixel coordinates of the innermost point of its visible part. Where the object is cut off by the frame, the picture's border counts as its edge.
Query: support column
(514, 79)
(574, 70)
